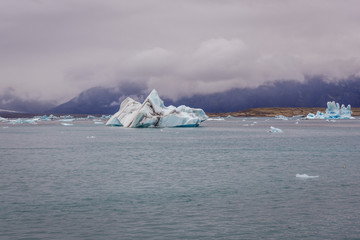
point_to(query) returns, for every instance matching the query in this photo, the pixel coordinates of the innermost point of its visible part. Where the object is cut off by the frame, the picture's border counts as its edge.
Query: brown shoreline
(276, 111)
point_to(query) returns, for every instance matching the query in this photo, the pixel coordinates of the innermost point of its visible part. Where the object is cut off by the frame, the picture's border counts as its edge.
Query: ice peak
(153, 113)
(333, 111)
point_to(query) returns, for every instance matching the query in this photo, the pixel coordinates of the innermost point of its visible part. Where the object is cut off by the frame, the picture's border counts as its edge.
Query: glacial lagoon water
(230, 179)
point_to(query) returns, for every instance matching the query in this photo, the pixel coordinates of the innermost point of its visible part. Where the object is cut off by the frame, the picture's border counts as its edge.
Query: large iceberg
(153, 113)
(333, 111)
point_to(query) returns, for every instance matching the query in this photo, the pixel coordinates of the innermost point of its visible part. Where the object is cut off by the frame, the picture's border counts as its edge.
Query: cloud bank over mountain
(313, 92)
(53, 50)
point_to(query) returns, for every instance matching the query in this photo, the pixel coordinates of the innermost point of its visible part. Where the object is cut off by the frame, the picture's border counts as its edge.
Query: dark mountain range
(314, 92)
(101, 100)
(10, 102)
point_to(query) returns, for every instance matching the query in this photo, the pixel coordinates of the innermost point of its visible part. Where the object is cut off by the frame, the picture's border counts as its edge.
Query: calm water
(226, 180)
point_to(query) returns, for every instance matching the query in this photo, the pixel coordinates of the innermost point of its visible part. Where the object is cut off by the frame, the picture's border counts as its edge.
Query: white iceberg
(3, 119)
(153, 113)
(333, 111)
(24, 121)
(281, 117)
(67, 124)
(275, 130)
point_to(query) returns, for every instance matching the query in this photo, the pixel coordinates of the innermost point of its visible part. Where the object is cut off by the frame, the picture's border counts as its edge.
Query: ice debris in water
(275, 130)
(281, 117)
(67, 120)
(305, 176)
(333, 111)
(105, 116)
(153, 113)
(24, 120)
(66, 124)
(216, 119)
(3, 119)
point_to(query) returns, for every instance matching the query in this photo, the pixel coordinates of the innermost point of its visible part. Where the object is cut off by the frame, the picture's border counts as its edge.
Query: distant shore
(252, 112)
(276, 111)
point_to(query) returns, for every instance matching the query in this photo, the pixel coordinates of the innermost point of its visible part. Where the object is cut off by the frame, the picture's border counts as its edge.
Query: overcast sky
(52, 50)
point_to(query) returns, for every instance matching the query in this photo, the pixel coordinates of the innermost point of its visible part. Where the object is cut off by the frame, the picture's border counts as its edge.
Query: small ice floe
(281, 117)
(24, 120)
(305, 176)
(67, 120)
(66, 124)
(6, 127)
(3, 119)
(275, 130)
(105, 116)
(216, 119)
(229, 116)
(98, 122)
(67, 117)
(90, 137)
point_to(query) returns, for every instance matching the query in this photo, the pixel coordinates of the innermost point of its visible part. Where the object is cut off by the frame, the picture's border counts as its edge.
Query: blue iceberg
(153, 113)
(333, 111)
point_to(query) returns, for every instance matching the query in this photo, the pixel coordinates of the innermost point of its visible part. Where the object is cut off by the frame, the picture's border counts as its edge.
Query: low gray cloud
(52, 50)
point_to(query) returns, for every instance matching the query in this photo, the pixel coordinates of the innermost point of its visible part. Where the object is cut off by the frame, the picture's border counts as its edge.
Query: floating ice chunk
(31, 120)
(333, 111)
(281, 117)
(16, 121)
(153, 113)
(275, 130)
(66, 124)
(24, 120)
(310, 116)
(105, 116)
(98, 122)
(229, 116)
(52, 117)
(67, 117)
(305, 176)
(3, 119)
(67, 120)
(113, 121)
(216, 119)
(90, 137)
